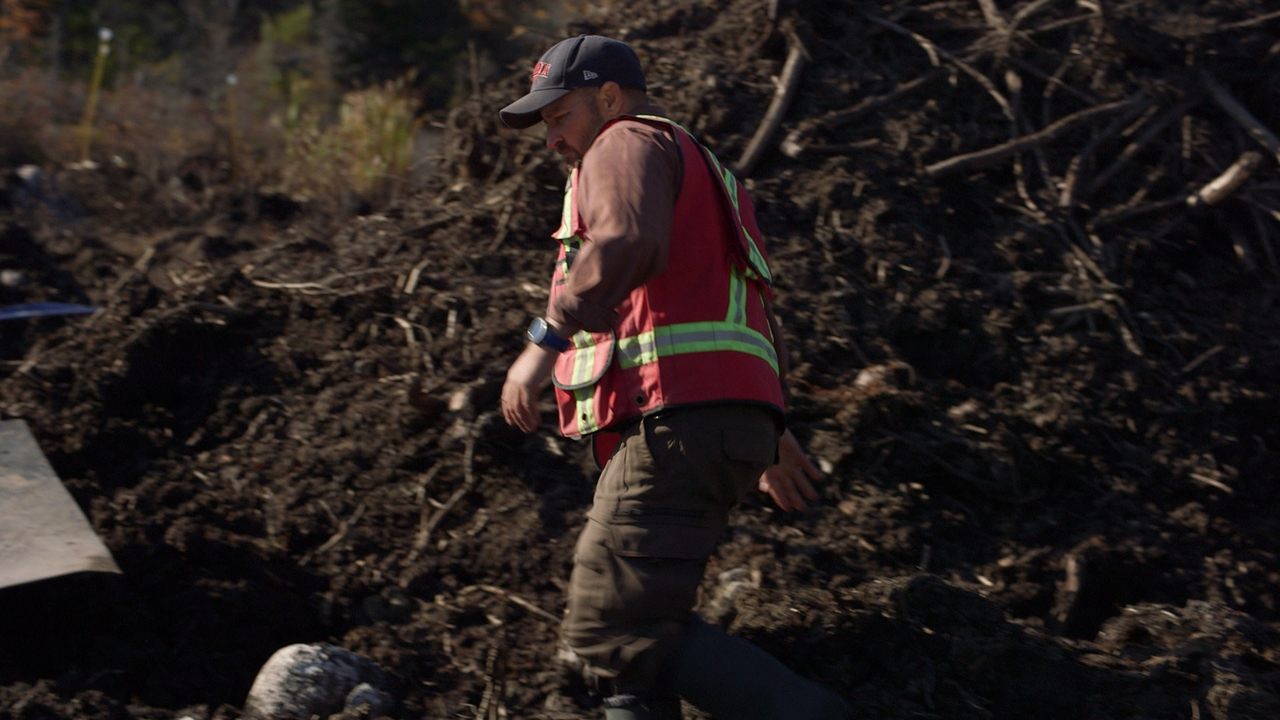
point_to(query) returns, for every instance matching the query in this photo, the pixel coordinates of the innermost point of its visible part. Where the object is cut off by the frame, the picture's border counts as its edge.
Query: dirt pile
(1041, 381)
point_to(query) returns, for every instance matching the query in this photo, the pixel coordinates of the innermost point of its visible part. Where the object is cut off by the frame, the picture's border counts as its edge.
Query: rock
(369, 700)
(876, 379)
(301, 681)
(731, 584)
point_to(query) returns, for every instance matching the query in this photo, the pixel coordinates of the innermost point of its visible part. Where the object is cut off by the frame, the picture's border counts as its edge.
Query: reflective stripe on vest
(584, 400)
(737, 314)
(593, 354)
(668, 340)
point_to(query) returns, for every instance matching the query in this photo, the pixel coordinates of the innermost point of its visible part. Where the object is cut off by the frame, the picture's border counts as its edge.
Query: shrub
(362, 158)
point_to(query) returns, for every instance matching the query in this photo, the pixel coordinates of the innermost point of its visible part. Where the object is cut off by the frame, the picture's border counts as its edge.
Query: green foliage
(290, 29)
(296, 65)
(297, 116)
(364, 156)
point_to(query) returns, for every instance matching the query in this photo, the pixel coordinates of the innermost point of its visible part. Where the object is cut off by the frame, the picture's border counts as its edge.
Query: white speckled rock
(301, 681)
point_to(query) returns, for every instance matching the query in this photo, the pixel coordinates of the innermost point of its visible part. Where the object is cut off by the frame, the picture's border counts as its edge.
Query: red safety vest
(696, 333)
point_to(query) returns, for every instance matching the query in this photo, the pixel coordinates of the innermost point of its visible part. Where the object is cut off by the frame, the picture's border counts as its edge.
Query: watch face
(541, 334)
(538, 330)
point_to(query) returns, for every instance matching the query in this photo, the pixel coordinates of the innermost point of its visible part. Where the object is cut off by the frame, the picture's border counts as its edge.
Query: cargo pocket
(663, 539)
(749, 455)
(754, 448)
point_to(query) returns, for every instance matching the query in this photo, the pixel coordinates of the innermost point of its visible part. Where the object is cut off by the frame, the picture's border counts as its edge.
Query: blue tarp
(44, 309)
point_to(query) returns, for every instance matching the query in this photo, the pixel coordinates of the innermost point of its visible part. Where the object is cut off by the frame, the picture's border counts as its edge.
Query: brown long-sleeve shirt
(626, 194)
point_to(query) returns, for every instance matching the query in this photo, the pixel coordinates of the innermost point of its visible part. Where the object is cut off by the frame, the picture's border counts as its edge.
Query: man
(660, 339)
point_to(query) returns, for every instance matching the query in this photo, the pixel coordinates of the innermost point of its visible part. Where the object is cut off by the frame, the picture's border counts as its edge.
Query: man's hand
(528, 377)
(788, 482)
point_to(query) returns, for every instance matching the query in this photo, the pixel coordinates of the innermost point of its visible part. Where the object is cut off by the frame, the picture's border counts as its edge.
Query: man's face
(572, 123)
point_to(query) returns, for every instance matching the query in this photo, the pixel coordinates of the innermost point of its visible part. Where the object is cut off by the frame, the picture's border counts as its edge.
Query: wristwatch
(540, 333)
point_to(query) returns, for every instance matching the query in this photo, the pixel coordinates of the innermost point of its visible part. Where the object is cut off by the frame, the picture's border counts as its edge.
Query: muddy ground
(1048, 423)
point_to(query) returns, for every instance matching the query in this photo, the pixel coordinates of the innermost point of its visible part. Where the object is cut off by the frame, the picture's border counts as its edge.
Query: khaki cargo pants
(661, 505)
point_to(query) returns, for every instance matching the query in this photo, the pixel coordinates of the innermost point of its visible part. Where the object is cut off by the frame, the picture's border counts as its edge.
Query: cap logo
(541, 70)
(588, 75)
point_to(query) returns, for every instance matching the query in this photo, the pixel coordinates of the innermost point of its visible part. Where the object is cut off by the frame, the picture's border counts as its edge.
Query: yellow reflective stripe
(757, 263)
(566, 212)
(584, 361)
(737, 314)
(687, 338)
(584, 358)
(757, 267)
(570, 244)
(730, 183)
(585, 407)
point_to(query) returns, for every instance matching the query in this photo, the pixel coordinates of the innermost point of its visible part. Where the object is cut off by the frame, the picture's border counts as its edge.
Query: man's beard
(597, 122)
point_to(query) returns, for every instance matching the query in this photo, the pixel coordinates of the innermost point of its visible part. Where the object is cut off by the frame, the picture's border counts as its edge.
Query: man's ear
(611, 98)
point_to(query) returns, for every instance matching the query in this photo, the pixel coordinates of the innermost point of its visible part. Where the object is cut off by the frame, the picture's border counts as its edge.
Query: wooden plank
(43, 532)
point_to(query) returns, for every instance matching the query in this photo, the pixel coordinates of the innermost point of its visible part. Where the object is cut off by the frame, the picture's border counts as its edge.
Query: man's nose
(553, 139)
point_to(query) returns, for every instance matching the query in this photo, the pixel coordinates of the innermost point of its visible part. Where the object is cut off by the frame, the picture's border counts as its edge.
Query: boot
(734, 680)
(629, 707)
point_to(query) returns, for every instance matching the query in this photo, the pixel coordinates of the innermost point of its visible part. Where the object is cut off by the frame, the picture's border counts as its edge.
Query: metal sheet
(43, 532)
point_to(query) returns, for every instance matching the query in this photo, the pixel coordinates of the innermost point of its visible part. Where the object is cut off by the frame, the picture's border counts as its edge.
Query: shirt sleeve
(626, 195)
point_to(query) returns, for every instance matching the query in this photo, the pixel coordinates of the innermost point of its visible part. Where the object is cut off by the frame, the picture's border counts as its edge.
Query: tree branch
(998, 153)
(1240, 114)
(782, 97)
(1232, 178)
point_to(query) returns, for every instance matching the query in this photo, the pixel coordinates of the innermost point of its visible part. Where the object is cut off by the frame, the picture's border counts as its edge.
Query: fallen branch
(411, 283)
(513, 599)
(1072, 179)
(994, 155)
(1240, 114)
(934, 52)
(1228, 182)
(1201, 358)
(424, 524)
(320, 287)
(1268, 17)
(1111, 217)
(1212, 482)
(504, 226)
(469, 481)
(138, 268)
(794, 145)
(408, 332)
(824, 149)
(1052, 81)
(343, 528)
(1027, 11)
(1065, 22)
(1132, 149)
(492, 706)
(993, 17)
(782, 97)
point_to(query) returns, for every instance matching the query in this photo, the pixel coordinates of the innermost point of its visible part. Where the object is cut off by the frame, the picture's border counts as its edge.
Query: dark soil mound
(1042, 383)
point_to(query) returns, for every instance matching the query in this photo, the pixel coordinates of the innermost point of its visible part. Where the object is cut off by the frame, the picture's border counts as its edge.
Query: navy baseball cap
(583, 61)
